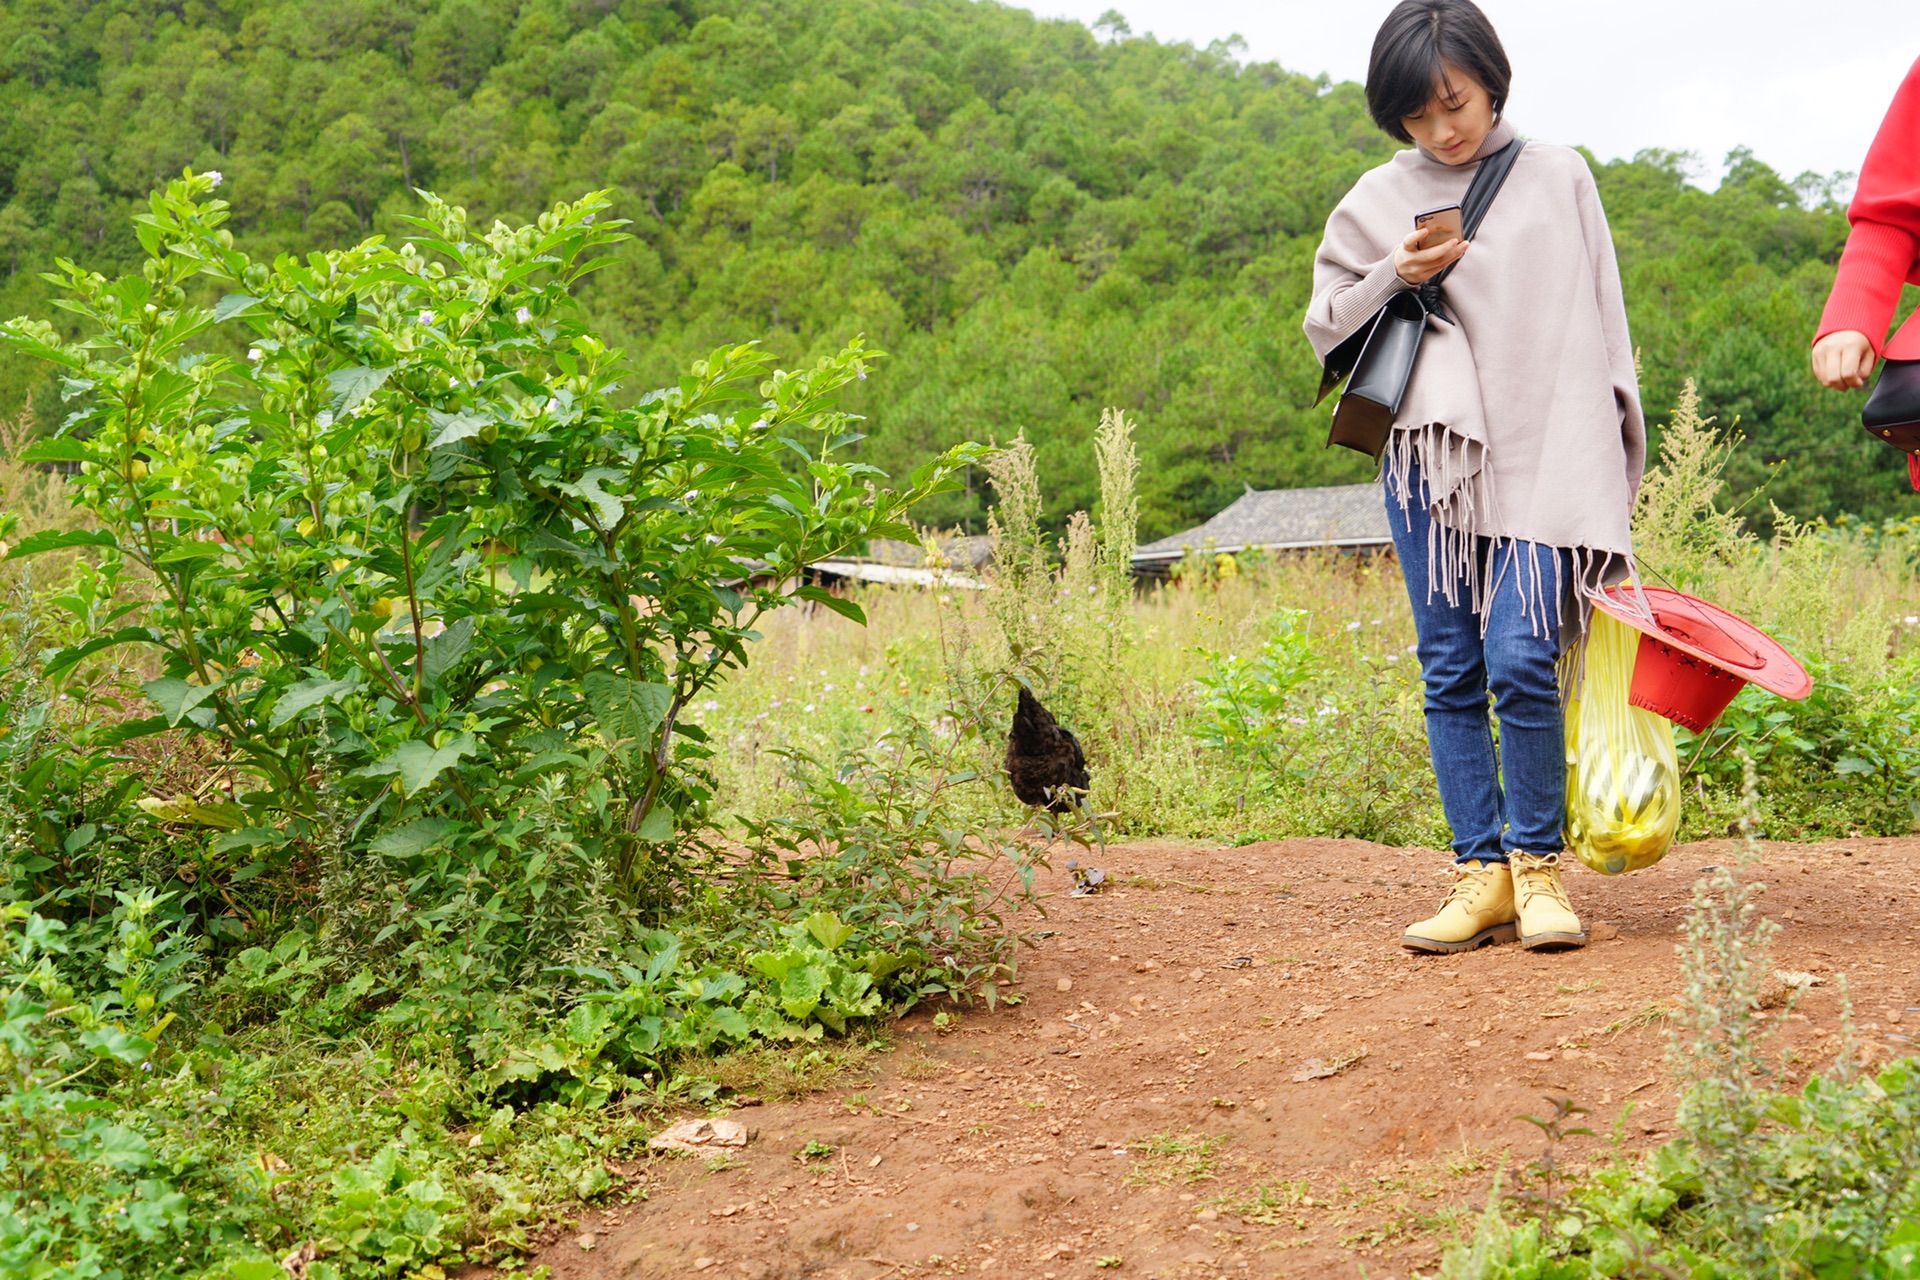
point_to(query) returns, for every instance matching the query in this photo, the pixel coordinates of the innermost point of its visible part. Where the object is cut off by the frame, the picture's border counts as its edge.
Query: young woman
(1514, 459)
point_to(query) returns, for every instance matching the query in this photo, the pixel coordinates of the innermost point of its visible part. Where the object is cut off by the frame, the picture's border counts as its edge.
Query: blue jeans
(1516, 659)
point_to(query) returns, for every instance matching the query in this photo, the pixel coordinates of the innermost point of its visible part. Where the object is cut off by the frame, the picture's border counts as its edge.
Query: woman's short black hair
(1417, 43)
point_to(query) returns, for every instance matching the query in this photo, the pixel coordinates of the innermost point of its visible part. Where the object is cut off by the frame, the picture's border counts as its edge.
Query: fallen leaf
(700, 1136)
(1316, 1069)
(295, 1264)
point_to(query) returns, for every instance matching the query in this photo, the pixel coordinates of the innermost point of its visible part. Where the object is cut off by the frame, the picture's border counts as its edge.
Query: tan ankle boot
(1547, 921)
(1477, 913)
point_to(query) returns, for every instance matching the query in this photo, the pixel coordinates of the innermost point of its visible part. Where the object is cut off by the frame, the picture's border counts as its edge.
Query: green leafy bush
(421, 526)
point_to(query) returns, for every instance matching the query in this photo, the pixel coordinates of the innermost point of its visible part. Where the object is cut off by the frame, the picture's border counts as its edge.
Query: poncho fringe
(1454, 486)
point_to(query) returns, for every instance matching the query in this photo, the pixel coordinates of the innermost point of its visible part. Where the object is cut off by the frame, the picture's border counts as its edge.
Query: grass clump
(1163, 1159)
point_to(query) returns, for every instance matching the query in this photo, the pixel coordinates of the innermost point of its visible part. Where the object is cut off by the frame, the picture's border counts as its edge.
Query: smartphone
(1440, 225)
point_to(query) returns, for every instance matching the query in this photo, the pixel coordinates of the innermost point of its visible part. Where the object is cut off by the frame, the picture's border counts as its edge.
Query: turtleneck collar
(1497, 137)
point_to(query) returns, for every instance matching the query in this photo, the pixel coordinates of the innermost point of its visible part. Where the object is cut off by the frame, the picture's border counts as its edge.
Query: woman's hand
(1417, 266)
(1843, 360)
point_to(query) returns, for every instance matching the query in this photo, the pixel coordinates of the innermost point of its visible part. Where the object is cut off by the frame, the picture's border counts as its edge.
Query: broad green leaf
(112, 1042)
(827, 929)
(192, 549)
(306, 694)
(232, 305)
(352, 386)
(451, 427)
(116, 1146)
(51, 540)
(128, 730)
(607, 507)
(657, 827)
(445, 650)
(59, 449)
(81, 652)
(177, 699)
(839, 604)
(413, 839)
(418, 764)
(629, 711)
(229, 817)
(252, 1269)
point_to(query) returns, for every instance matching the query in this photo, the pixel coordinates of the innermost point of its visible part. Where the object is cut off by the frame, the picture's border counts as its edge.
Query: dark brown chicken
(1044, 761)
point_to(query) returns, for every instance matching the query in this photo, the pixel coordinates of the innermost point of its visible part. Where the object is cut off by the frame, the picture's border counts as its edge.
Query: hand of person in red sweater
(1843, 360)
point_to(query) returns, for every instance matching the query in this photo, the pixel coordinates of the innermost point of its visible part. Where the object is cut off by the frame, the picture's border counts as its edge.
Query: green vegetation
(355, 840)
(1036, 219)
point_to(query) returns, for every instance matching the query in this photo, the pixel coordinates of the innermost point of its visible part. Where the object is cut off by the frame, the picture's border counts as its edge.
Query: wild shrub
(420, 551)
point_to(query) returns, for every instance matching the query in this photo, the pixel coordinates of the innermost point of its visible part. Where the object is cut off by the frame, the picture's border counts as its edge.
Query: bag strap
(1486, 184)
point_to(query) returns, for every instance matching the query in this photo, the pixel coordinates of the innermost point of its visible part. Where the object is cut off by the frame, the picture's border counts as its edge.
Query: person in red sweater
(1882, 253)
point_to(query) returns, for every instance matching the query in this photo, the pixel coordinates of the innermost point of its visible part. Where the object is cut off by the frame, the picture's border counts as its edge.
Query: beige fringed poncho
(1524, 411)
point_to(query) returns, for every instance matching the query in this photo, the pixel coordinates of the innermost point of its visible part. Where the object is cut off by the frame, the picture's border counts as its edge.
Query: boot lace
(1539, 876)
(1467, 887)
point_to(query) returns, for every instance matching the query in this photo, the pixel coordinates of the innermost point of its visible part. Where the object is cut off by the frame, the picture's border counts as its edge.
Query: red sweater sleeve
(1884, 243)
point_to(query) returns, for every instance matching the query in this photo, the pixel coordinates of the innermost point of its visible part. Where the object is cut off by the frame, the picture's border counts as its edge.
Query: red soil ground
(1125, 1117)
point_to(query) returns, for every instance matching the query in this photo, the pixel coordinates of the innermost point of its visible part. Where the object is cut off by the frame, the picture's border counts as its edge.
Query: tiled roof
(1346, 515)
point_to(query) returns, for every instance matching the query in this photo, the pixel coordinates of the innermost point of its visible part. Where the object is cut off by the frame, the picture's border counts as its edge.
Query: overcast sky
(1802, 82)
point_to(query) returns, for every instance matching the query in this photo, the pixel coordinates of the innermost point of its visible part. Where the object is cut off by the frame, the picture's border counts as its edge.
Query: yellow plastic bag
(1623, 774)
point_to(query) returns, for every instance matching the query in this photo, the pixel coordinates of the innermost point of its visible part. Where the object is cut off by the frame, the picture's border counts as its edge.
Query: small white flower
(863, 670)
(710, 705)
(523, 315)
(827, 689)
(426, 317)
(1353, 626)
(1393, 657)
(693, 495)
(1374, 623)
(255, 353)
(1913, 621)
(810, 708)
(1413, 648)
(215, 177)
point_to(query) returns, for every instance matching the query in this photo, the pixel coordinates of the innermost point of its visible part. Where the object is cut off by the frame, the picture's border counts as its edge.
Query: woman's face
(1455, 121)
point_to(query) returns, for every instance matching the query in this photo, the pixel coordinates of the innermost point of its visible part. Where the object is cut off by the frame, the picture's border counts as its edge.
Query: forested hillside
(1035, 219)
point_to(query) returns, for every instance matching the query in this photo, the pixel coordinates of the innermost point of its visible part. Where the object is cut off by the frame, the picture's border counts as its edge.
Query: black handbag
(1376, 362)
(1893, 410)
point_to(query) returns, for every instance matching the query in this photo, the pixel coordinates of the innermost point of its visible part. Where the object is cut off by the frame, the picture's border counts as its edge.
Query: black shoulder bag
(1893, 410)
(1377, 361)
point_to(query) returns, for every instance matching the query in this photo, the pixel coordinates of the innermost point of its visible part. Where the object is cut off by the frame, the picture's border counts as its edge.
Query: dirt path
(1142, 1111)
